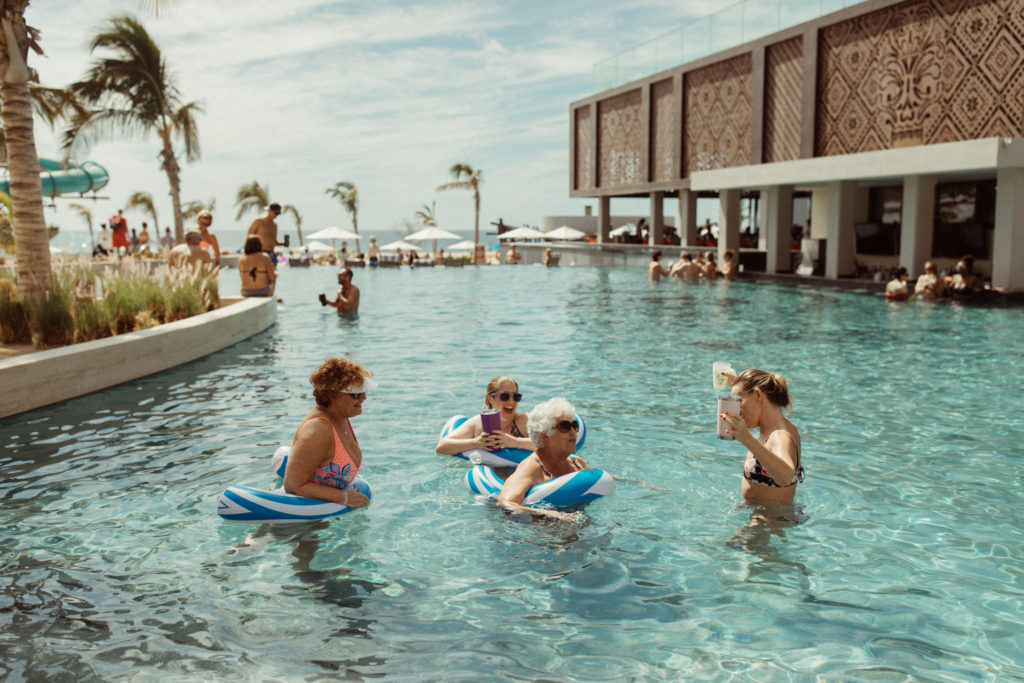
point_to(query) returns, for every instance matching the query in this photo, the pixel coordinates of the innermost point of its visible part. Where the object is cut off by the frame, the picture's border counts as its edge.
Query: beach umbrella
(464, 245)
(523, 233)
(433, 233)
(565, 233)
(315, 246)
(333, 233)
(399, 244)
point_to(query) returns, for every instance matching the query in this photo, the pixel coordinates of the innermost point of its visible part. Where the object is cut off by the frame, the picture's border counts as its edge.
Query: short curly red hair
(331, 378)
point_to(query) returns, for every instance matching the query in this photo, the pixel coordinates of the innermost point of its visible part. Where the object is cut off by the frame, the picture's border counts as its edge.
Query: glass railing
(734, 25)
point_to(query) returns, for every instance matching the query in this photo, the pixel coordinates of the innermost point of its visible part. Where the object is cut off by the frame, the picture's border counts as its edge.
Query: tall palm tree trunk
(170, 164)
(30, 236)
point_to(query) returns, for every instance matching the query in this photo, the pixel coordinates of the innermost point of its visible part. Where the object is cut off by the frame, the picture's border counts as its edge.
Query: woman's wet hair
(772, 384)
(253, 245)
(656, 255)
(494, 386)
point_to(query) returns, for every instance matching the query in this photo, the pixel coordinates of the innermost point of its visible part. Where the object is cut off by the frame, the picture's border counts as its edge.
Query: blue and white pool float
(503, 457)
(246, 504)
(569, 489)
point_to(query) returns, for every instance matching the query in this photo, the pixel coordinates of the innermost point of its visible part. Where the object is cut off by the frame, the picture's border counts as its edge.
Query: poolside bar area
(886, 133)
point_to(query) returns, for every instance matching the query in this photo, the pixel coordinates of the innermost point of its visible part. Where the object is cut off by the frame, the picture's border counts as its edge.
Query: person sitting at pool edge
(552, 426)
(325, 455)
(772, 468)
(346, 301)
(502, 394)
(259, 276)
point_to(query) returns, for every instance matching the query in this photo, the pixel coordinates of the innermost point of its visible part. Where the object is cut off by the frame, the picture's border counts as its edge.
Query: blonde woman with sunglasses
(502, 394)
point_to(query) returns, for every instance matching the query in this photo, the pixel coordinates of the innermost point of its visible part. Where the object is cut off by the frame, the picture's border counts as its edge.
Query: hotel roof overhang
(970, 157)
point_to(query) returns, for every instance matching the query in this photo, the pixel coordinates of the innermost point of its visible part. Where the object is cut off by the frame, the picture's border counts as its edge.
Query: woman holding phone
(502, 394)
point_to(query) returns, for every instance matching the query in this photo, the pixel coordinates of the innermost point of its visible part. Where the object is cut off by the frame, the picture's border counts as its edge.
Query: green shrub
(50, 317)
(91, 320)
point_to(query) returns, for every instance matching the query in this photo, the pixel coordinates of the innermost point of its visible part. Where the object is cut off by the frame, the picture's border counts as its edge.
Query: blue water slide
(74, 178)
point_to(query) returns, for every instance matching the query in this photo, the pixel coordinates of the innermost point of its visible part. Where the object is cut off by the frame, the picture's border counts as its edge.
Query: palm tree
(289, 208)
(144, 201)
(346, 193)
(136, 95)
(426, 216)
(472, 182)
(86, 215)
(193, 208)
(251, 197)
(30, 234)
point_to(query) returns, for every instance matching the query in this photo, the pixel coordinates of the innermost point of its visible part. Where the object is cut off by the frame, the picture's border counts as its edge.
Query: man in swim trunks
(265, 227)
(346, 301)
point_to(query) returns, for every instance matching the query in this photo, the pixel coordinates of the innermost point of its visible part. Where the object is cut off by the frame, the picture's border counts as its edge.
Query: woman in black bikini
(502, 394)
(772, 468)
(257, 270)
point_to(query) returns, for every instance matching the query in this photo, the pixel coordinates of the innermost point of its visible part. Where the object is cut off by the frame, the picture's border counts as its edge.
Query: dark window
(964, 213)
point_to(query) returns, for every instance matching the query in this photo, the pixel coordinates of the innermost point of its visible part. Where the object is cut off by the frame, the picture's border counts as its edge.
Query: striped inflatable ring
(503, 457)
(569, 489)
(246, 504)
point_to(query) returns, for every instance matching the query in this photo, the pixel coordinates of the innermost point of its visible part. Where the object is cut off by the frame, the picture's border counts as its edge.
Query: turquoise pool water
(908, 567)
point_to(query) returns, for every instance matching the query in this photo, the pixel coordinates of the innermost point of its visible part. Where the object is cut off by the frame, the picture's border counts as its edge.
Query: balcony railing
(743, 22)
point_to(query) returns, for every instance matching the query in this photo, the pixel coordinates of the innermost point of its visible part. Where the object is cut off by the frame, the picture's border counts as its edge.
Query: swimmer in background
(654, 269)
(346, 301)
(929, 284)
(552, 427)
(896, 290)
(256, 270)
(772, 468)
(502, 394)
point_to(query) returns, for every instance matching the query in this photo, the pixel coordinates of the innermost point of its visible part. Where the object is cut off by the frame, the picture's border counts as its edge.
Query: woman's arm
(212, 239)
(518, 485)
(468, 436)
(313, 446)
(778, 455)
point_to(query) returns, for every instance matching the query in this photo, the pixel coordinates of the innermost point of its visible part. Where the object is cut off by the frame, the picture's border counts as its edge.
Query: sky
(387, 95)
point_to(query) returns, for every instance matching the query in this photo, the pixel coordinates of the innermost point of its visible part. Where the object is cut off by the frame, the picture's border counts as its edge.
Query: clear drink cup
(720, 381)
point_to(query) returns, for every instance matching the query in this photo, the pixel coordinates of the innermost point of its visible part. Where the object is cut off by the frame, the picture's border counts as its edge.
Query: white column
(686, 218)
(604, 219)
(841, 246)
(779, 227)
(728, 223)
(917, 223)
(657, 220)
(1008, 240)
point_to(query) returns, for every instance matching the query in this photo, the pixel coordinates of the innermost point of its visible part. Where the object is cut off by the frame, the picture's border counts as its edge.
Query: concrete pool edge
(33, 380)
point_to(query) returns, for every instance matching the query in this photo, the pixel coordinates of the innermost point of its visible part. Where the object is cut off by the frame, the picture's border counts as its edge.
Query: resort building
(871, 135)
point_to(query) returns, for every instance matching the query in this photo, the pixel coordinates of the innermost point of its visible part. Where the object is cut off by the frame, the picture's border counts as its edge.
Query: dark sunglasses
(564, 426)
(504, 396)
(356, 397)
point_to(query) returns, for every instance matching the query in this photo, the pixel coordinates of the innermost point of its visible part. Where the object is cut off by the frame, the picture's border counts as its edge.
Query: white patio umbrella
(399, 244)
(315, 246)
(333, 233)
(433, 233)
(622, 230)
(523, 233)
(565, 233)
(464, 245)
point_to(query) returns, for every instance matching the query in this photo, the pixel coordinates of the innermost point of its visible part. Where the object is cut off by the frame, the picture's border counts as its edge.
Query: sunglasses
(356, 397)
(504, 396)
(564, 426)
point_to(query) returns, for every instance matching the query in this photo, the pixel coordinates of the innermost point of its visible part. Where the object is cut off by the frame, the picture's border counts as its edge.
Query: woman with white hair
(552, 427)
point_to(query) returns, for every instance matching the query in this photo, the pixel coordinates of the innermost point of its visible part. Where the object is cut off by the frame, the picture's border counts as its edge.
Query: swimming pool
(908, 566)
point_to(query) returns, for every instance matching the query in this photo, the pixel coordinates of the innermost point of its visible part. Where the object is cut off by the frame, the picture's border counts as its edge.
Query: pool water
(907, 566)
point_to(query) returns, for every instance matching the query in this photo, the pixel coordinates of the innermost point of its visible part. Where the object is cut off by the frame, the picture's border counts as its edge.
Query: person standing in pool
(325, 456)
(552, 427)
(265, 227)
(654, 270)
(502, 394)
(346, 301)
(772, 468)
(203, 222)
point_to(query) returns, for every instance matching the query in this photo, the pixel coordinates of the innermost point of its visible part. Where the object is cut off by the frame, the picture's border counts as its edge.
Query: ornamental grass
(83, 305)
